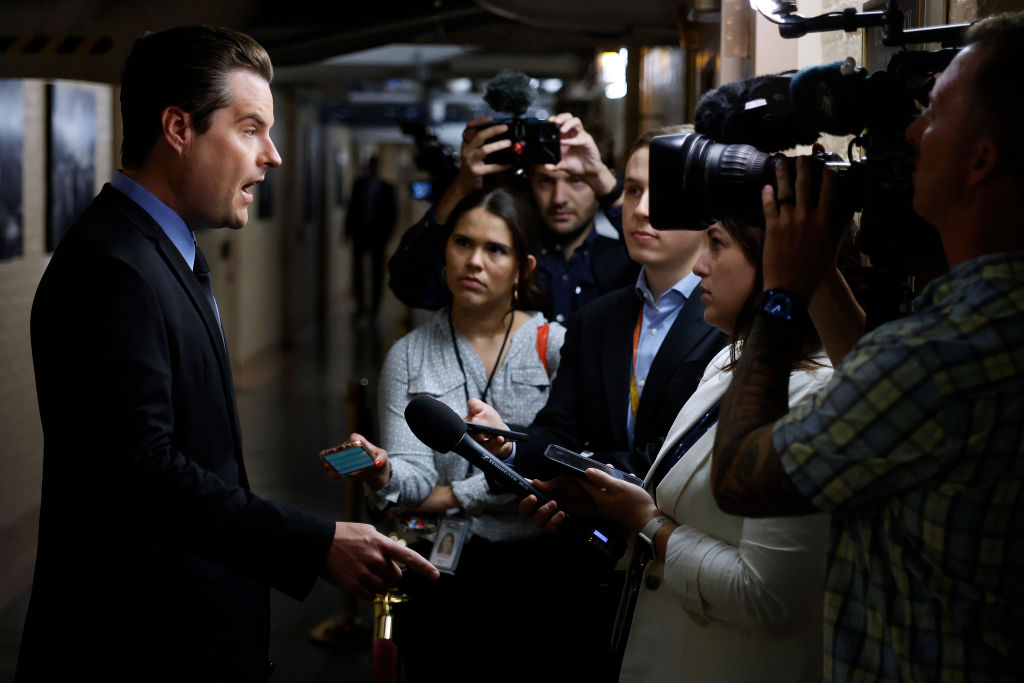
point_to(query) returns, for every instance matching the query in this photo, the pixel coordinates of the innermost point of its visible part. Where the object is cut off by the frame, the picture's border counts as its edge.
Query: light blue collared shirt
(167, 218)
(169, 221)
(657, 321)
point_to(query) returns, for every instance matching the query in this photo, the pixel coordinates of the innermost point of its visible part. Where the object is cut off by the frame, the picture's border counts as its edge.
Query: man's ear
(176, 127)
(982, 163)
(531, 263)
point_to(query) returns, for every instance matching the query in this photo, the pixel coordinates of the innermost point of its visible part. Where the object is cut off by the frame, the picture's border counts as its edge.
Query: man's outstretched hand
(362, 561)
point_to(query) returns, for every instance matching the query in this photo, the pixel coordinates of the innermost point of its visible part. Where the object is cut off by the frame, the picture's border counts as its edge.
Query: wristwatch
(650, 529)
(780, 304)
(606, 200)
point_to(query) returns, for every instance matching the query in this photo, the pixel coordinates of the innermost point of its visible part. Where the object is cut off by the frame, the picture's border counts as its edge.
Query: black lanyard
(643, 553)
(686, 443)
(497, 361)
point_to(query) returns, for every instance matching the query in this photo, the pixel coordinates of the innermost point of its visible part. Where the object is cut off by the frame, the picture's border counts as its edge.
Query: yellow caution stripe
(55, 45)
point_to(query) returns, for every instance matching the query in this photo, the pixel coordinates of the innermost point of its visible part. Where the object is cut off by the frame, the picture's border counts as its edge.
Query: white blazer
(737, 599)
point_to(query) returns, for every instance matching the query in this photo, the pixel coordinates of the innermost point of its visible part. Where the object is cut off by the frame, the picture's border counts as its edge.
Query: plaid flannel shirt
(916, 448)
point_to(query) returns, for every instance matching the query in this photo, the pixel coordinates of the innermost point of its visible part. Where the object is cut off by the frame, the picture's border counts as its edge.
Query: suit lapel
(187, 279)
(618, 344)
(706, 395)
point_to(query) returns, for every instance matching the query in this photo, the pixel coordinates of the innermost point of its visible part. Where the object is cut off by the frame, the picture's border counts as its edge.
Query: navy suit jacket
(154, 556)
(586, 409)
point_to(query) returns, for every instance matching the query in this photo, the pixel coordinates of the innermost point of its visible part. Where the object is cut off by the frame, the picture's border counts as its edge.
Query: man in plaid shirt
(916, 447)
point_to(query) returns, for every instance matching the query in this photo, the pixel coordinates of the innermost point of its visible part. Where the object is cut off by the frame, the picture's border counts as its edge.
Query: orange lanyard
(634, 390)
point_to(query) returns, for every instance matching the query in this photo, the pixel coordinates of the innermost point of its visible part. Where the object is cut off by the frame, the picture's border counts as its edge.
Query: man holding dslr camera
(916, 446)
(574, 264)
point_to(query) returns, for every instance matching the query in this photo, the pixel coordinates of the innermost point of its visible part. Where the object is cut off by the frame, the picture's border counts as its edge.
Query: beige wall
(21, 457)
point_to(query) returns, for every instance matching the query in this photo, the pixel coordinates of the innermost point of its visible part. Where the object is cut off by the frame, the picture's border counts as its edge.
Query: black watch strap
(606, 200)
(783, 305)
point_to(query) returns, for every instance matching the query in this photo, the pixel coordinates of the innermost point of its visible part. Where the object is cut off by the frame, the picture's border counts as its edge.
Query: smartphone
(347, 458)
(509, 435)
(579, 464)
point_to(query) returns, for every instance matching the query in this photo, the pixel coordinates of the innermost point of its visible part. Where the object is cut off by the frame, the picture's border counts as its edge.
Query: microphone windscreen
(510, 93)
(753, 112)
(434, 423)
(828, 101)
(715, 115)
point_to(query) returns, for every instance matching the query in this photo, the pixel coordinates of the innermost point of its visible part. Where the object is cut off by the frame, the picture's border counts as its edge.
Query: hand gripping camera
(533, 142)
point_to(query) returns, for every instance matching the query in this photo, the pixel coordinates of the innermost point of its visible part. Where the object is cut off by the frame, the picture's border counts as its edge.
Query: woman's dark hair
(185, 67)
(523, 222)
(750, 240)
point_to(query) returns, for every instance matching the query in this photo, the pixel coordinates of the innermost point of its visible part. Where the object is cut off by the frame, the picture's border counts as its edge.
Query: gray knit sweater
(423, 362)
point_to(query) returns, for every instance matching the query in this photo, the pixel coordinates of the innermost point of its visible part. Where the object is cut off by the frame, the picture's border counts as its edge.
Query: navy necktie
(202, 271)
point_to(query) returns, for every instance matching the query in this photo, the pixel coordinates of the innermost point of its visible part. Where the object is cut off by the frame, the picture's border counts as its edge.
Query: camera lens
(695, 182)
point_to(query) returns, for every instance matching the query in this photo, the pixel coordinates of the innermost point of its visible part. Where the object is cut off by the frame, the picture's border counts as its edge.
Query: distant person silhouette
(369, 224)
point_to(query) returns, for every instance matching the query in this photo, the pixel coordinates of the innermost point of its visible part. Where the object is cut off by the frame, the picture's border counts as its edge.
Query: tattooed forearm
(747, 477)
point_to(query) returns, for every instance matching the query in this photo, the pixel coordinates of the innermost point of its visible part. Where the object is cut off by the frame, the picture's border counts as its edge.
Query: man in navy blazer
(630, 360)
(631, 357)
(590, 398)
(154, 555)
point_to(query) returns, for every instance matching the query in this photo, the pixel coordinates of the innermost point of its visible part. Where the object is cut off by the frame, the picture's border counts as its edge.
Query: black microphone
(437, 426)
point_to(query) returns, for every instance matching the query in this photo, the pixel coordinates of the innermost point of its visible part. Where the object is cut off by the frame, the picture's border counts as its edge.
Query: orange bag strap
(542, 346)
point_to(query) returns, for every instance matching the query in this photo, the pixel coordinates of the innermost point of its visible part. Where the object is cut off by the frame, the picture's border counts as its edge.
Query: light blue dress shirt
(167, 218)
(657, 321)
(170, 222)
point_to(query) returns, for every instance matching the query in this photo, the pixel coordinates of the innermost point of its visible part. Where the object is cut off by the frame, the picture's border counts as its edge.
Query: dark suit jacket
(154, 556)
(586, 409)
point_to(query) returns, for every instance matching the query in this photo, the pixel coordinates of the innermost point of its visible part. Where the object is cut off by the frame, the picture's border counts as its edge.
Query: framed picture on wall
(71, 156)
(12, 132)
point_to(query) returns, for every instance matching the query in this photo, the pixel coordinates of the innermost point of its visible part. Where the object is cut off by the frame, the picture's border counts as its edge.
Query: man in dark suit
(154, 556)
(369, 222)
(589, 404)
(632, 357)
(630, 360)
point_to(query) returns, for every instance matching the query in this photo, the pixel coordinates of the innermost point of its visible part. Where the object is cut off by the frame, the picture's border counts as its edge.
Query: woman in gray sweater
(489, 345)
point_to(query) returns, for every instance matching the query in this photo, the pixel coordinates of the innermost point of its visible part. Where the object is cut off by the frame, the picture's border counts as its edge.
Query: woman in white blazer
(723, 598)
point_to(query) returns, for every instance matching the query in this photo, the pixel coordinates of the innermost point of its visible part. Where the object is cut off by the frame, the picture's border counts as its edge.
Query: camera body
(533, 142)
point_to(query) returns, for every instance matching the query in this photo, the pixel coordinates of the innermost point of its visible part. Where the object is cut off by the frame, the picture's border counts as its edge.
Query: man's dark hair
(643, 140)
(187, 67)
(997, 79)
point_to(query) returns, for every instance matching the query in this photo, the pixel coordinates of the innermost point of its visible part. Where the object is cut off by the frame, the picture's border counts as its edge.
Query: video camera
(533, 142)
(434, 158)
(718, 172)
